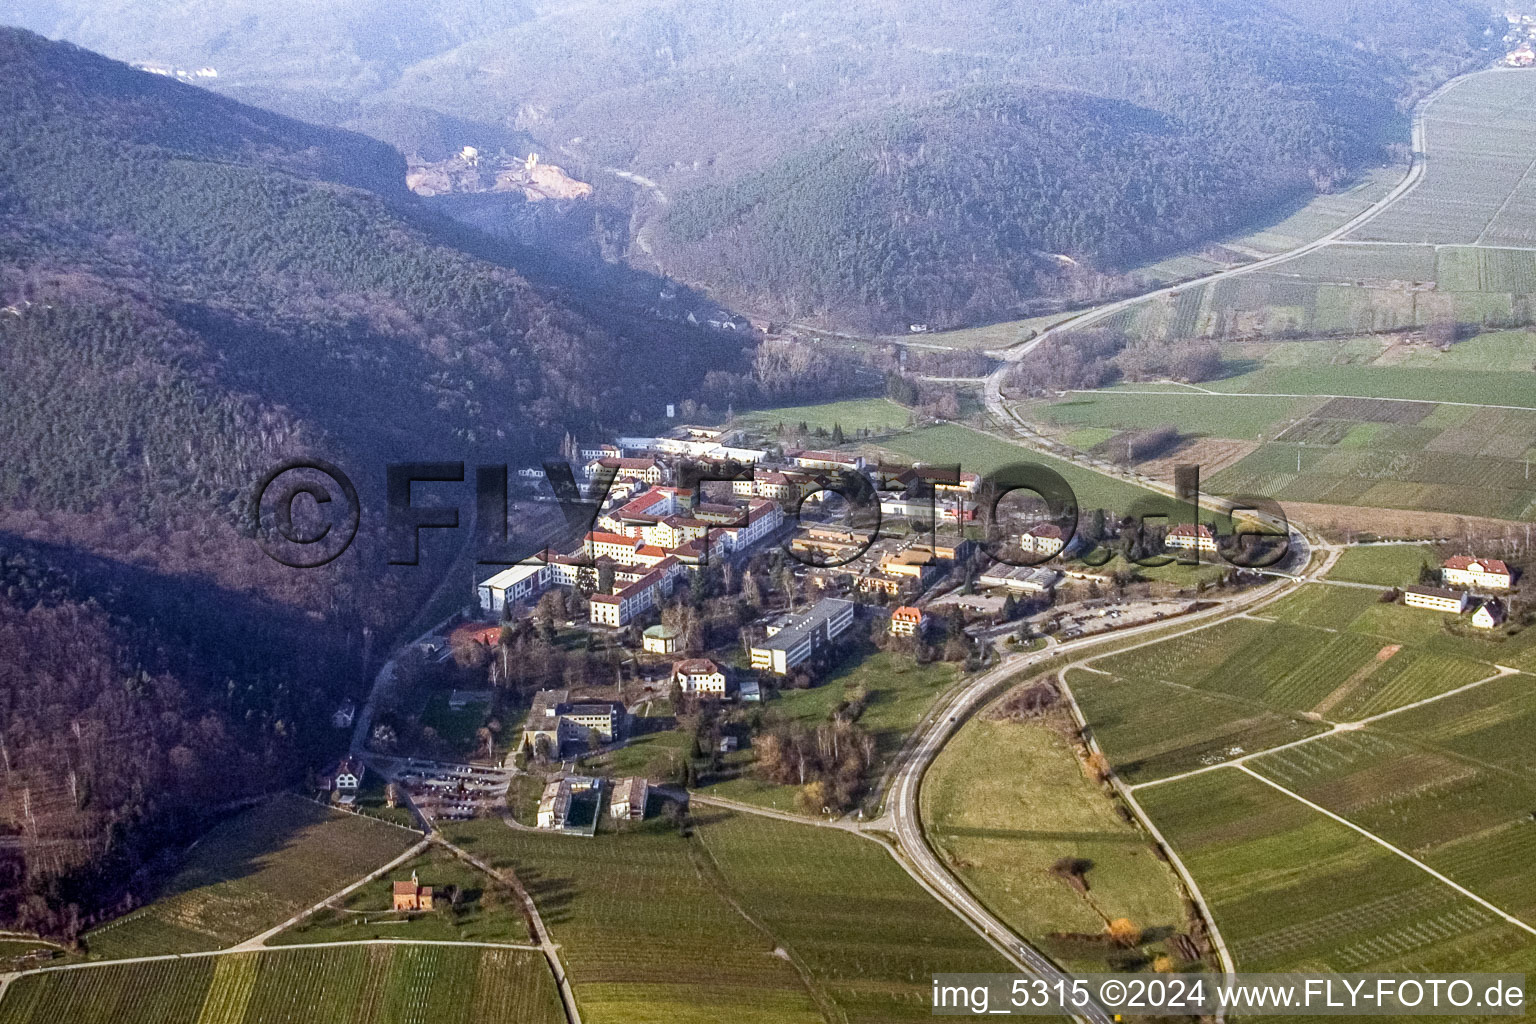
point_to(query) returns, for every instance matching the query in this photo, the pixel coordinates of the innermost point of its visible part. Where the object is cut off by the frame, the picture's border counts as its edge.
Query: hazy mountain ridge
(1262, 101)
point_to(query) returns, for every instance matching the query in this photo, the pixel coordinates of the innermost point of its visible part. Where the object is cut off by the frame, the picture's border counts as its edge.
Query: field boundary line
(1503, 672)
(1507, 200)
(536, 929)
(708, 868)
(259, 940)
(1225, 961)
(1198, 390)
(1373, 837)
(237, 951)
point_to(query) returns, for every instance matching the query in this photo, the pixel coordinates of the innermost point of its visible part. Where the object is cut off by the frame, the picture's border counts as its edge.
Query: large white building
(520, 583)
(699, 676)
(795, 641)
(1196, 537)
(1489, 573)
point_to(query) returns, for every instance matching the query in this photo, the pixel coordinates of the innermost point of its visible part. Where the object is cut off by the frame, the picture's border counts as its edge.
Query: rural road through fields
(993, 391)
(903, 816)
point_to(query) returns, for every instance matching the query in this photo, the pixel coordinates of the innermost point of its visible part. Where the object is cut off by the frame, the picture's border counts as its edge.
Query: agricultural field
(1291, 889)
(645, 935)
(1128, 409)
(844, 910)
(1274, 427)
(720, 925)
(876, 414)
(898, 692)
(980, 453)
(1320, 654)
(1476, 186)
(1006, 801)
(469, 905)
(1387, 565)
(362, 984)
(1465, 814)
(249, 873)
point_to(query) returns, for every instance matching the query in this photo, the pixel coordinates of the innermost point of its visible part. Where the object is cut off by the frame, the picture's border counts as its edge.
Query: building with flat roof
(1020, 579)
(1437, 598)
(519, 583)
(792, 643)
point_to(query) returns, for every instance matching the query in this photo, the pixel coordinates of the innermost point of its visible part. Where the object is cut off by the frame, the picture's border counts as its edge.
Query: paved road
(257, 941)
(1029, 436)
(903, 818)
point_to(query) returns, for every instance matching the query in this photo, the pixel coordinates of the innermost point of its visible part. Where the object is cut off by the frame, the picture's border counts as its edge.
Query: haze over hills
(875, 164)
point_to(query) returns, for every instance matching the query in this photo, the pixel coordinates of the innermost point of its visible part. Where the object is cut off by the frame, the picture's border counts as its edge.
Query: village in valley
(727, 614)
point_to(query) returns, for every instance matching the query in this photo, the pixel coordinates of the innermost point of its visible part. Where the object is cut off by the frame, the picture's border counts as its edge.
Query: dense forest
(881, 164)
(130, 709)
(190, 291)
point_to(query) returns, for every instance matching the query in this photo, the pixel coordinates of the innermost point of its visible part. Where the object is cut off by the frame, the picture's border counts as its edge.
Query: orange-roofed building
(907, 621)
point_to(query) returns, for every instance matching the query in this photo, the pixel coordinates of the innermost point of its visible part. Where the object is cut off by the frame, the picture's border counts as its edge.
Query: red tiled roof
(1490, 565)
(907, 613)
(695, 667)
(598, 537)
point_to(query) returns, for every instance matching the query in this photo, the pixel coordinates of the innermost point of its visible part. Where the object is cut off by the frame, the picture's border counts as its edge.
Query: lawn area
(249, 873)
(1005, 801)
(1291, 889)
(469, 905)
(1387, 565)
(898, 693)
(356, 984)
(646, 935)
(1191, 412)
(980, 453)
(867, 934)
(990, 336)
(877, 414)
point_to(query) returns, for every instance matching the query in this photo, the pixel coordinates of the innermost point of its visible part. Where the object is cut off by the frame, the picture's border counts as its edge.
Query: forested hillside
(191, 291)
(878, 163)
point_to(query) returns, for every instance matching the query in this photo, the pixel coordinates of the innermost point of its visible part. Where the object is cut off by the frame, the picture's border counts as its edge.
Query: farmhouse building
(1436, 598)
(345, 779)
(1191, 537)
(628, 800)
(1489, 573)
(1043, 539)
(1489, 616)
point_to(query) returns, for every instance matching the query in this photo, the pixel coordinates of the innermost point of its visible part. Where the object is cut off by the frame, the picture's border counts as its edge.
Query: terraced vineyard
(1245, 685)
(1294, 890)
(250, 873)
(868, 935)
(1477, 187)
(360, 984)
